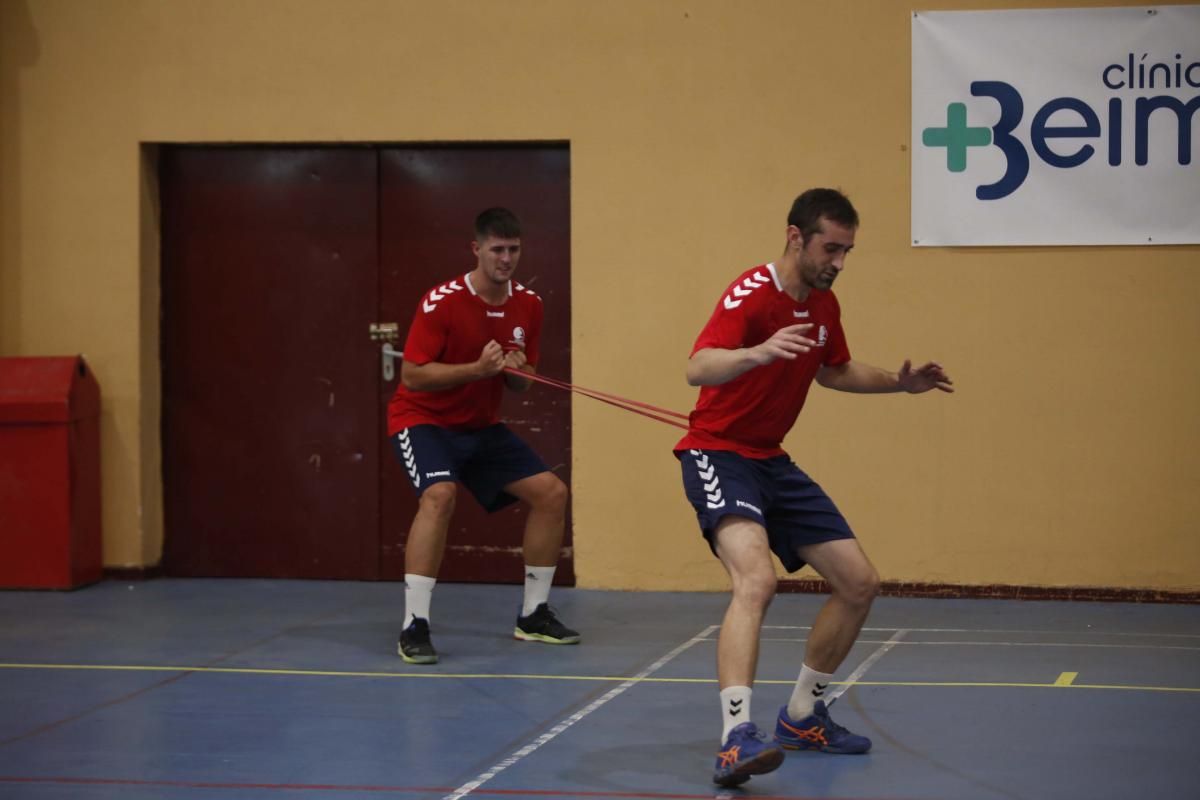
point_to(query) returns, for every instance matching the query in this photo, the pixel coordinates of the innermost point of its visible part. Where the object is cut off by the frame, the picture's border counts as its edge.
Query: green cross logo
(956, 137)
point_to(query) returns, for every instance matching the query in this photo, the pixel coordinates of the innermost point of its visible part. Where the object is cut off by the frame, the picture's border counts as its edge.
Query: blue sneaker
(818, 732)
(745, 754)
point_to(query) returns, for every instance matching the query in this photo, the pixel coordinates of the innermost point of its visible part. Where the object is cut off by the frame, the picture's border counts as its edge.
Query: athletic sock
(537, 587)
(735, 708)
(418, 592)
(810, 687)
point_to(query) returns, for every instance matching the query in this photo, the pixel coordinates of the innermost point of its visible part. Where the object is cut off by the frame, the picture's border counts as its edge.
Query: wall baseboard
(1000, 591)
(962, 591)
(133, 573)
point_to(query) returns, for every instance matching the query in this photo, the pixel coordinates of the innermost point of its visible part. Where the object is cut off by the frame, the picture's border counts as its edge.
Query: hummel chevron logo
(712, 484)
(753, 282)
(735, 707)
(410, 458)
(439, 294)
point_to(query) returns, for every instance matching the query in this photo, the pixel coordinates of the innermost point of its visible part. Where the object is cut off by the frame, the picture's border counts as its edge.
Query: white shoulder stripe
(526, 290)
(439, 293)
(741, 291)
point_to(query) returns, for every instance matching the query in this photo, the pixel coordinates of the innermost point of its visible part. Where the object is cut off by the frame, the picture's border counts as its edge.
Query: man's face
(497, 257)
(823, 256)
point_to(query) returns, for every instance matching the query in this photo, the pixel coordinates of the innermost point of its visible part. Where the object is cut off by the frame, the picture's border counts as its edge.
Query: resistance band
(604, 397)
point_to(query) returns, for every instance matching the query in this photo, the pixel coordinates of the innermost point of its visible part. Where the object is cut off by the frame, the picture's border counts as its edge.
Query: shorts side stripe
(708, 475)
(410, 458)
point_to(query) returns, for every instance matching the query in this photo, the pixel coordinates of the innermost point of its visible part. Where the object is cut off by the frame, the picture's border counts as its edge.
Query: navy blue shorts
(773, 492)
(484, 460)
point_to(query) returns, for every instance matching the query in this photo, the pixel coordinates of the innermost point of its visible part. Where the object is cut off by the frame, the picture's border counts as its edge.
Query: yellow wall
(1068, 457)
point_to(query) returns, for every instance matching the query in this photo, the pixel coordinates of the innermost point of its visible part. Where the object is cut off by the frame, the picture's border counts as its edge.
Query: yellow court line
(1058, 684)
(316, 672)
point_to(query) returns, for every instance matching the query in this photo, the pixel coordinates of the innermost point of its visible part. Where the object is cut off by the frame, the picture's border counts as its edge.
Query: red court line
(439, 790)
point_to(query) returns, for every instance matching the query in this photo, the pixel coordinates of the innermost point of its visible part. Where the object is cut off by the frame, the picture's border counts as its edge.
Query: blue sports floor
(224, 689)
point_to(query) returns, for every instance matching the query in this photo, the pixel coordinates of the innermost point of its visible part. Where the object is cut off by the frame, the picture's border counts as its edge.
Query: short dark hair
(498, 222)
(811, 206)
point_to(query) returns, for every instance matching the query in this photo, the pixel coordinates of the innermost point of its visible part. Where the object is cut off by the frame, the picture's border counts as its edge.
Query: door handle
(389, 360)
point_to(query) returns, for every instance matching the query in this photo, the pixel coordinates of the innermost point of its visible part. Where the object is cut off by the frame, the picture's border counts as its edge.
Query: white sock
(810, 687)
(537, 587)
(735, 708)
(418, 592)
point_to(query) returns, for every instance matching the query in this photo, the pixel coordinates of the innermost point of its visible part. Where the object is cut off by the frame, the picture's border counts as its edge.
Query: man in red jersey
(776, 329)
(444, 425)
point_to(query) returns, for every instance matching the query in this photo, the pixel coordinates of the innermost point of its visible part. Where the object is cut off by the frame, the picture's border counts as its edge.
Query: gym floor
(254, 689)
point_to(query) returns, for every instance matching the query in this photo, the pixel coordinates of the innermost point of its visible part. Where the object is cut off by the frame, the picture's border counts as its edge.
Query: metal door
(276, 261)
(270, 431)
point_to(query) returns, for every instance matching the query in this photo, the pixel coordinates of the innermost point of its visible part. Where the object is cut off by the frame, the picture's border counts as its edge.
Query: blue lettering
(1043, 128)
(1012, 108)
(1041, 131)
(1104, 76)
(1144, 107)
(1114, 131)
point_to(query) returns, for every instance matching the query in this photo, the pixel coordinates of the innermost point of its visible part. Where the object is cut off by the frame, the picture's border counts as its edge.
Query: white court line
(496, 769)
(1000, 630)
(864, 666)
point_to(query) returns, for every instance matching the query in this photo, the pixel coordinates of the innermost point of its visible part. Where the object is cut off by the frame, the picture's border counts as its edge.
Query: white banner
(1058, 126)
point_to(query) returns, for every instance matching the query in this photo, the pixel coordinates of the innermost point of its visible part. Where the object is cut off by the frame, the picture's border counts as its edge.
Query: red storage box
(49, 474)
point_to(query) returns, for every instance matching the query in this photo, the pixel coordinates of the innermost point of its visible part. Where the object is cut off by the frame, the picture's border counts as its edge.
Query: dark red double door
(276, 262)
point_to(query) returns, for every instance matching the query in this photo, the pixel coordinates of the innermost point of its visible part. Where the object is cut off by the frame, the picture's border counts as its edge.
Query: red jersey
(752, 413)
(451, 326)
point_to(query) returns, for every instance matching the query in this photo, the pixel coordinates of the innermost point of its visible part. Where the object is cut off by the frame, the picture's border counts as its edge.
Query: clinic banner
(1056, 126)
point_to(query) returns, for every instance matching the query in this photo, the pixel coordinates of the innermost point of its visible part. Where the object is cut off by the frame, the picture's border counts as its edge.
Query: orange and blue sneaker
(818, 732)
(745, 753)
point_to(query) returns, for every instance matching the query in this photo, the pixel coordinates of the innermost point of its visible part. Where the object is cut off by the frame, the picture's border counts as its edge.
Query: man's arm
(435, 376)
(515, 359)
(854, 376)
(713, 366)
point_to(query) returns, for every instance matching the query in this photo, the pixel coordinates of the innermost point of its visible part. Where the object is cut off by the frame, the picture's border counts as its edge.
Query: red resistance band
(604, 397)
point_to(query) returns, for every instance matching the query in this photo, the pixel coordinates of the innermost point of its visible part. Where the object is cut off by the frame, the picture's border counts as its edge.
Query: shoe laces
(545, 612)
(752, 733)
(830, 725)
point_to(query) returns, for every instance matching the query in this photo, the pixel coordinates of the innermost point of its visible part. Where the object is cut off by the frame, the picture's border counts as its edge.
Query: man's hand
(786, 343)
(491, 361)
(515, 359)
(926, 377)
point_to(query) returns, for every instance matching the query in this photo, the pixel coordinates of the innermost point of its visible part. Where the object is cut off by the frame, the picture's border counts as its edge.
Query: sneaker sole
(805, 746)
(416, 659)
(539, 637)
(764, 762)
